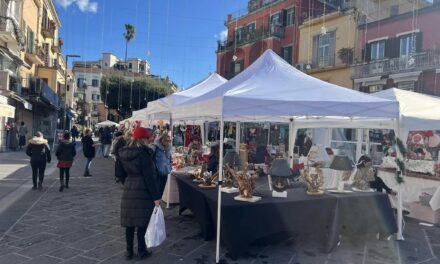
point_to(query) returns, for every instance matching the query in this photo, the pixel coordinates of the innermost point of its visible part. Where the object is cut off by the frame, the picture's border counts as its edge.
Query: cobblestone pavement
(81, 225)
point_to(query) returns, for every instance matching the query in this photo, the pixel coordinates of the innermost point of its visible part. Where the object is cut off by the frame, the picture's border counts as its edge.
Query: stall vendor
(195, 149)
(213, 160)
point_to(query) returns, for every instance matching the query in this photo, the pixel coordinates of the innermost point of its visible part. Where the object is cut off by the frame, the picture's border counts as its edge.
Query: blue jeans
(88, 163)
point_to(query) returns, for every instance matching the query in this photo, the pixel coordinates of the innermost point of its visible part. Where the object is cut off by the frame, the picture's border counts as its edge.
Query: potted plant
(346, 55)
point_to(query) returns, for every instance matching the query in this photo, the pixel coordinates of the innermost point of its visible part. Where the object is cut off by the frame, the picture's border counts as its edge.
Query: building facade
(400, 51)
(88, 75)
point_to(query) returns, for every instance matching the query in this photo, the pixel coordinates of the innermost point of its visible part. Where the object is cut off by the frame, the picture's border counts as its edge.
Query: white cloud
(83, 5)
(222, 36)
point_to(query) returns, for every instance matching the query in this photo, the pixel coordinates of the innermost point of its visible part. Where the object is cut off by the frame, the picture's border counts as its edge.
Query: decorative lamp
(278, 174)
(342, 163)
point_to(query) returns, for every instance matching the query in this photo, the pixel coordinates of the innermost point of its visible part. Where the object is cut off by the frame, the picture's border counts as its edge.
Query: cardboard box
(424, 213)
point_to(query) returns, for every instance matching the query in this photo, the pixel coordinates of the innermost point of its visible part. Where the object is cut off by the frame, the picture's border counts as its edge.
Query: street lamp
(65, 88)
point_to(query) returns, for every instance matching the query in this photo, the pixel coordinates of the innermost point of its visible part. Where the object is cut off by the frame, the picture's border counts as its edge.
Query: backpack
(163, 166)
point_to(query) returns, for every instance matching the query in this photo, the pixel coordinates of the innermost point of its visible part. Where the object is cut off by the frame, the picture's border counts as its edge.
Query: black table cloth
(327, 215)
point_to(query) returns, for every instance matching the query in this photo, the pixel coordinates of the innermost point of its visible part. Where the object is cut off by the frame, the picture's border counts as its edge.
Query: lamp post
(65, 86)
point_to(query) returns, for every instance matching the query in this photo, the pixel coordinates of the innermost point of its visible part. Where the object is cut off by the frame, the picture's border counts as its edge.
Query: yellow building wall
(341, 77)
(30, 19)
(345, 27)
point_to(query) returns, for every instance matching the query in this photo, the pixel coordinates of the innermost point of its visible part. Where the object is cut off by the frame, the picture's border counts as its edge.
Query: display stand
(229, 189)
(282, 194)
(250, 200)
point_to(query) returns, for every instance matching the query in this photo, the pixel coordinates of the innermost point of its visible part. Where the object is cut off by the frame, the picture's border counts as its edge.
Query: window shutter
(388, 49)
(315, 51)
(419, 42)
(284, 17)
(368, 52)
(395, 47)
(332, 48)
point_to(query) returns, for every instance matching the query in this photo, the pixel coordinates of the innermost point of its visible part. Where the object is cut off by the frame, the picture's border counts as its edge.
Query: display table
(171, 192)
(328, 215)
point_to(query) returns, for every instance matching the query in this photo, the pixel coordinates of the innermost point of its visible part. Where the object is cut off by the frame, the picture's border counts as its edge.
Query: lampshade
(231, 158)
(280, 168)
(341, 163)
(317, 153)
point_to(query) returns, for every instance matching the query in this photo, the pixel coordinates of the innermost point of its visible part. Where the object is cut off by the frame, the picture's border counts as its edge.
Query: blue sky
(181, 37)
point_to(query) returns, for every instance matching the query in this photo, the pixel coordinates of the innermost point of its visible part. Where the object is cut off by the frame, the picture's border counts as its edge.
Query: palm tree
(129, 34)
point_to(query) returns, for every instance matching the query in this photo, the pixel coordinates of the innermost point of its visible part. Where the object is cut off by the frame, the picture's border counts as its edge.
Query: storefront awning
(71, 114)
(25, 103)
(7, 111)
(11, 56)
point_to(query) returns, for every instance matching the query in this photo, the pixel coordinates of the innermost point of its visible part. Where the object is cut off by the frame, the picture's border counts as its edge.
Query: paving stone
(93, 242)
(185, 245)
(27, 242)
(40, 248)
(5, 249)
(30, 230)
(43, 260)
(65, 253)
(12, 259)
(106, 251)
(76, 236)
(81, 260)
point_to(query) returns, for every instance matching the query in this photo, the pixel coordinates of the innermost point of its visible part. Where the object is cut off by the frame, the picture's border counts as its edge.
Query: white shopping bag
(156, 228)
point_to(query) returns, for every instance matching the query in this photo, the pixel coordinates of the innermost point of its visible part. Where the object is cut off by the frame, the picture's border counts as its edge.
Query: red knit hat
(140, 132)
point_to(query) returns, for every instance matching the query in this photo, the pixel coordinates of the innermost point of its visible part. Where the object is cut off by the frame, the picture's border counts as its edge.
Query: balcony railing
(9, 27)
(253, 5)
(39, 88)
(418, 62)
(253, 36)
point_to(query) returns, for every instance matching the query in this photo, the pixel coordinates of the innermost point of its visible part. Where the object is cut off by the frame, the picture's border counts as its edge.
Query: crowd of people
(142, 164)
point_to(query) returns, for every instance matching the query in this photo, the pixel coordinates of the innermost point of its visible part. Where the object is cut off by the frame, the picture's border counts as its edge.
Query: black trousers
(129, 237)
(64, 171)
(162, 182)
(379, 185)
(38, 168)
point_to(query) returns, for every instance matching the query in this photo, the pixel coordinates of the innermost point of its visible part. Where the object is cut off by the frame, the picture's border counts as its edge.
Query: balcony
(253, 36)
(418, 62)
(36, 56)
(48, 28)
(9, 27)
(253, 6)
(56, 48)
(39, 88)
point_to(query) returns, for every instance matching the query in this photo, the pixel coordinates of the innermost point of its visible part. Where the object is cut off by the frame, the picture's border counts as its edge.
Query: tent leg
(399, 195)
(169, 174)
(219, 198)
(237, 137)
(292, 137)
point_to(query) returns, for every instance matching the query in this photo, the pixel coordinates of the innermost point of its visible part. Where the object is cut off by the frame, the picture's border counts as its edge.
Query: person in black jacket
(39, 151)
(65, 153)
(141, 192)
(88, 150)
(212, 165)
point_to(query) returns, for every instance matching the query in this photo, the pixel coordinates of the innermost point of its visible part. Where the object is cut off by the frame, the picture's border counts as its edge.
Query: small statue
(314, 179)
(246, 183)
(364, 174)
(228, 180)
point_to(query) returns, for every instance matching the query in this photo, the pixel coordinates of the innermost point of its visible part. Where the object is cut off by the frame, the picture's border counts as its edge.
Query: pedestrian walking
(141, 193)
(162, 158)
(22, 132)
(39, 151)
(88, 150)
(65, 154)
(107, 141)
(13, 137)
(75, 133)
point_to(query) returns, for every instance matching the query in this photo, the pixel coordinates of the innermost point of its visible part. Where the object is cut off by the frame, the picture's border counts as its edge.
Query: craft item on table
(279, 173)
(228, 179)
(198, 173)
(208, 181)
(246, 185)
(363, 176)
(434, 141)
(312, 172)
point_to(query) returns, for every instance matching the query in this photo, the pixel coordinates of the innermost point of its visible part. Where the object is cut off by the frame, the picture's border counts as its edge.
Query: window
(394, 10)
(289, 16)
(374, 88)
(378, 50)
(81, 82)
(323, 50)
(141, 67)
(238, 34)
(275, 19)
(251, 27)
(407, 45)
(287, 54)
(95, 83)
(130, 65)
(95, 108)
(30, 41)
(238, 67)
(95, 97)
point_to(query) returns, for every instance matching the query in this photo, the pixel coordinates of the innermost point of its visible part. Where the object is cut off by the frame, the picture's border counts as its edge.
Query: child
(65, 153)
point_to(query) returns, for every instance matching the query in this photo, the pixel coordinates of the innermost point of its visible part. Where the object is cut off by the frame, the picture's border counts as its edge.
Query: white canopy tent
(272, 90)
(107, 123)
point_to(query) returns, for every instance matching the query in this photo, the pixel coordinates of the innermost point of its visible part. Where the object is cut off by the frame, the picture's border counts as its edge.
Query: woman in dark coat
(39, 151)
(65, 153)
(141, 192)
(212, 165)
(88, 150)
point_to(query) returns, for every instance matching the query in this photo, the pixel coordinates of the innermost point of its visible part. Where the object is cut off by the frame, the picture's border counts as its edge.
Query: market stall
(272, 90)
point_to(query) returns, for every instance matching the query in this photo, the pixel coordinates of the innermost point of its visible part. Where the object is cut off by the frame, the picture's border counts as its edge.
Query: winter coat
(162, 158)
(38, 150)
(88, 148)
(212, 164)
(117, 145)
(66, 151)
(140, 187)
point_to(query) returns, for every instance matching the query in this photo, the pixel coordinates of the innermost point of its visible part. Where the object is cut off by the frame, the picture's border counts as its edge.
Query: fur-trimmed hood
(38, 141)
